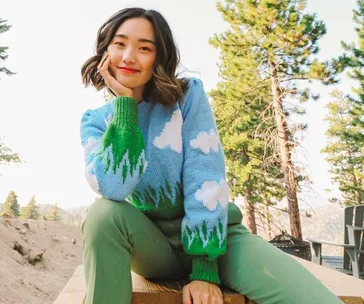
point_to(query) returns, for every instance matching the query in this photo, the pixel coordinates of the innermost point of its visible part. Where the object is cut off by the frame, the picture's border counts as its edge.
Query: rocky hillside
(36, 259)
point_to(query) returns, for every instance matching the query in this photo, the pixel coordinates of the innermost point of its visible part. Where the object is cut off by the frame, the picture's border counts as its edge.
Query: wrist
(126, 111)
(128, 95)
(204, 269)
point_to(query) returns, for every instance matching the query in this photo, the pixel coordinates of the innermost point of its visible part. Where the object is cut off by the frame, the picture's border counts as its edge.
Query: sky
(41, 106)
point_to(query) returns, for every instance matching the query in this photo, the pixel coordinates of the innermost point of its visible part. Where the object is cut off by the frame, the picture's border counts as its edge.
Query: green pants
(119, 238)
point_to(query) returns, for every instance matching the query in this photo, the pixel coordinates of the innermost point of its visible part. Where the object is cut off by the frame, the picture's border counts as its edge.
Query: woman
(154, 155)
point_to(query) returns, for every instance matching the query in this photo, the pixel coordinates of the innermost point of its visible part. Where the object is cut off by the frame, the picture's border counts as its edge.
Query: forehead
(136, 28)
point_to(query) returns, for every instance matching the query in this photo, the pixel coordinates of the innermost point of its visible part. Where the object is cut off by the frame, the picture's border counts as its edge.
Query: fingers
(196, 294)
(103, 66)
(197, 298)
(103, 69)
(102, 61)
(186, 296)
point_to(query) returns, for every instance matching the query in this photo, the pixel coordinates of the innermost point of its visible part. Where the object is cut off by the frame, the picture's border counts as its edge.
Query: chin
(127, 82)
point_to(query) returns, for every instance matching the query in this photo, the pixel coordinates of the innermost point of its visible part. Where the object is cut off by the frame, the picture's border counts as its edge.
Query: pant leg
(118, 238)
(267, 275)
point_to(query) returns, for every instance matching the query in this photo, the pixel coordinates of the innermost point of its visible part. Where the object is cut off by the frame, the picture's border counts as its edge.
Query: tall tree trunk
(356, 184)
(357, 197)
(267, 220)
(249, 212)
(287, 166)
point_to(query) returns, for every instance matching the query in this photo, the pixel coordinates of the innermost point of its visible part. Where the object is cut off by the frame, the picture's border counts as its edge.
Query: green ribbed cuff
(205, 270)
(126, 112)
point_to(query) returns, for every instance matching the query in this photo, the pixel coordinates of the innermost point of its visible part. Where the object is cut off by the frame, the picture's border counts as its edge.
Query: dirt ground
(22, 282)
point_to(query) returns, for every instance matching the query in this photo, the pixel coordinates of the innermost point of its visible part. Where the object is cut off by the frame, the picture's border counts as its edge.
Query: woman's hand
(110, 81)
(199, 292)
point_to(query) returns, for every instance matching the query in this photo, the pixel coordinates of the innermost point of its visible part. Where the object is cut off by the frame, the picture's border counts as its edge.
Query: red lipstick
(128, 70)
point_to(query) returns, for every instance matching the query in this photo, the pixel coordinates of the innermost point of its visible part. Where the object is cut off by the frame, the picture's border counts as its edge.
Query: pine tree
(11, 205)
(238, 110)
(6, 155)
(3, 56)
(345, 152)
(55, 214)
(354, 60)
(345, 149)
(281, 38)
(31, 211)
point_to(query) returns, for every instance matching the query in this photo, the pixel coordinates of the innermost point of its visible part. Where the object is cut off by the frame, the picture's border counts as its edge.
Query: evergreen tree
(238, 110)
(31, 211)
(281, 39)
(354, 59)
(6, 155)
(55, 214)
(345, 148)
(345, 152)
(11, 205)
(3, 56)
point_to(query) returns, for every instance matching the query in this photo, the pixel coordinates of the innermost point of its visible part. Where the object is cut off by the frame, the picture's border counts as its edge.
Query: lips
(128, 70)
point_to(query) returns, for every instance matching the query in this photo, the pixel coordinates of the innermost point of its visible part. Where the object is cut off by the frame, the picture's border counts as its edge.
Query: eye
(145, 48)
(119, 43)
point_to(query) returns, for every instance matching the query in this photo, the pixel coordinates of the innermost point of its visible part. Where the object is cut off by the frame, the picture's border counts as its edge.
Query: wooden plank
(352, 300)
(344, 286)
(75, 289)
(347, 288)
(144, 291)
(169, 291)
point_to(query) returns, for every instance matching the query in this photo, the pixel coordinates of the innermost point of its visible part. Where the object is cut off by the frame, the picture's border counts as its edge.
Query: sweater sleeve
(206, 192)
(115, 153)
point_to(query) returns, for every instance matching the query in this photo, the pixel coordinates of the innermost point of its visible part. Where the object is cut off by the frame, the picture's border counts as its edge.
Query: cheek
(149, 64)
(114, 56)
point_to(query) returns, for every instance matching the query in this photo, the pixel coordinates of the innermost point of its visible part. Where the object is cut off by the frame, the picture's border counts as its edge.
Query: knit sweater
(166, 161)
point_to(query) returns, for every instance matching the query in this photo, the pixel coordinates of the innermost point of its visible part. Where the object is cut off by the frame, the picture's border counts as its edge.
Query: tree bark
(267, 221)
(357, 197)
(287, 165)
(249, 212)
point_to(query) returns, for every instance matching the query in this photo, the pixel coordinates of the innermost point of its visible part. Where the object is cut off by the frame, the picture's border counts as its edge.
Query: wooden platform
(349, 289)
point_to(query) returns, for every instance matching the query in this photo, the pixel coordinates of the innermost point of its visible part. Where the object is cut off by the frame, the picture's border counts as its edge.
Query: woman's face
(133, 52)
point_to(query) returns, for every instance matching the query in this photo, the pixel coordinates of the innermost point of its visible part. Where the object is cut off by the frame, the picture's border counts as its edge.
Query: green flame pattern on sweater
(124, 139)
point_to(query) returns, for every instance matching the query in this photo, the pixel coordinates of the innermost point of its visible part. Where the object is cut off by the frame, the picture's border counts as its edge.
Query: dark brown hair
(164, 87)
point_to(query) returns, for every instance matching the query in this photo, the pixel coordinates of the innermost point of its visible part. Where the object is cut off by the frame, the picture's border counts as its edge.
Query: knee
(234, 214)
(102, 216)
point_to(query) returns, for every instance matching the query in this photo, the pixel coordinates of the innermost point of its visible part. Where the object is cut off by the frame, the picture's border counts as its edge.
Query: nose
(129, 56)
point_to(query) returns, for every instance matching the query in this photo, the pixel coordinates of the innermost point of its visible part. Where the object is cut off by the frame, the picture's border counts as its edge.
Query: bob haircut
(164, 87)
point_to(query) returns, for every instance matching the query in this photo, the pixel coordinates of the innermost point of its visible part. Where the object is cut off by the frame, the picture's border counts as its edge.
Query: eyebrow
(141, 40)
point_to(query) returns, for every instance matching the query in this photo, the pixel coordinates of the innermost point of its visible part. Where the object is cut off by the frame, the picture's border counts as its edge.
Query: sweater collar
(144, 106)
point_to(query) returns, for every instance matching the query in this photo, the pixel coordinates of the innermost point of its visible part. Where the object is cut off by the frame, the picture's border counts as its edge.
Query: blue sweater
(166, 161)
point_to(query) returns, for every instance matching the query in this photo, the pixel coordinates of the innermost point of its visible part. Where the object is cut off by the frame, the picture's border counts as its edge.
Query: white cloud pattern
(206, 141)
(91, 178)
(91, 146)
(172, 133)
(212, 193)
(108, 119)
